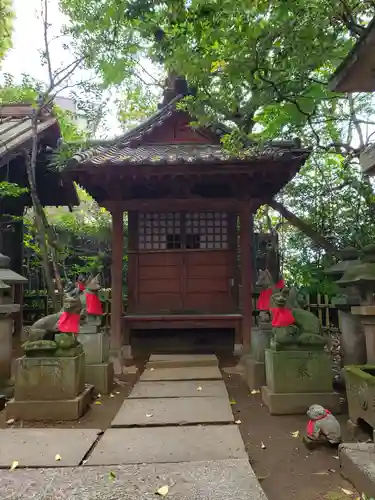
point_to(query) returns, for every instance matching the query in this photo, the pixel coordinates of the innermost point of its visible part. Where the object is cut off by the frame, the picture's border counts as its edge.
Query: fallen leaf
(148, 415)
(199, 388)
(262, 445)
(152, 369)
(117, 392)
(295, 434)
(332, 471)
(97, 402)
(10, 421)
(163, 491)
(347, 492)
(111, 395)
(255, 391)
(99, 396)
(57, 458)
(238, 422)
(112, 475)
(14, 465)
(233, 402)
(335, 457)
(262, 478)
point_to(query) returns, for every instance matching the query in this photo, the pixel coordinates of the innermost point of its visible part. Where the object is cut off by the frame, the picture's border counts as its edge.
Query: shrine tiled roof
(181, 153)
(132, 148)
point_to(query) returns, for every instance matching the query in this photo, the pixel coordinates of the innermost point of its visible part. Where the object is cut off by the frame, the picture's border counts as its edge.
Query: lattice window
(207, 230)
(192, 230)
(159, 231)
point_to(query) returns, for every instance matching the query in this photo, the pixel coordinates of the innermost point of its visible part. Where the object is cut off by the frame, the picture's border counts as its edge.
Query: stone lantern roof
(7, 275)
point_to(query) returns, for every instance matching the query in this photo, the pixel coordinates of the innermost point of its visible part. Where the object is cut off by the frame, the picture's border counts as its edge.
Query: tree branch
(305, 228)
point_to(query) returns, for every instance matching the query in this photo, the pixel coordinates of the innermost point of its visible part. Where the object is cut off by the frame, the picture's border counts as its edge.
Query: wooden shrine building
(190, 208)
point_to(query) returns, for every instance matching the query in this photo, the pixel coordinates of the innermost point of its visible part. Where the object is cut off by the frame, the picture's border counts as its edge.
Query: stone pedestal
(353, 343)
(367, 314)
(6, 329)
(98, 369)
(49, 388)
(297, 379)
(255, 372)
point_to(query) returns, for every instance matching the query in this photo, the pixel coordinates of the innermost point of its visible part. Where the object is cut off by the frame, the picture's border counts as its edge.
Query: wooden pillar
(246, 232)
(116, 276)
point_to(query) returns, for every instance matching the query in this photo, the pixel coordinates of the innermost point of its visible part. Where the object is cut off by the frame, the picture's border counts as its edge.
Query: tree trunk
(40, 217)
(305, 228)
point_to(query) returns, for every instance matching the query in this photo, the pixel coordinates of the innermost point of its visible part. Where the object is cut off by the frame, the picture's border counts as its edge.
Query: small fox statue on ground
(322, 429)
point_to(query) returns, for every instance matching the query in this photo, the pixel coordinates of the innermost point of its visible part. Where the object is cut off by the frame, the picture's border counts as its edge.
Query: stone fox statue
(45, 328)
(291, 325)
(294, 326)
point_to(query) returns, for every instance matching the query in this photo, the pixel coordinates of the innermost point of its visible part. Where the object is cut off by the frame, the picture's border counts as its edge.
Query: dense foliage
(261, 67)
(6, 25)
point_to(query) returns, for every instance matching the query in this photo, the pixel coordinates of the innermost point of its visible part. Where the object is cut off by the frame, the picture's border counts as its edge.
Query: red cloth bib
(263, 303)
(81, 286)
(93, 304)
(310, 423)
(281, 316)
(68, 323)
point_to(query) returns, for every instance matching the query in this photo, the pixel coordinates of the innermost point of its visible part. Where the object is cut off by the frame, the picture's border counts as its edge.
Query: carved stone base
(299, 403)
(57, 410)
(100, 376)
(49, 379)
(298, 371)
(360, 390)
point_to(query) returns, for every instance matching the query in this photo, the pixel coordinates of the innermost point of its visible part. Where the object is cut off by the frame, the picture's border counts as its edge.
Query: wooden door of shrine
(183, 262)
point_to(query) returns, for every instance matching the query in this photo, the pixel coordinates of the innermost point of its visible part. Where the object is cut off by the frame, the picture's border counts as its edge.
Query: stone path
(173, 411)
(39, 447)
(180, 389)
(175, 429)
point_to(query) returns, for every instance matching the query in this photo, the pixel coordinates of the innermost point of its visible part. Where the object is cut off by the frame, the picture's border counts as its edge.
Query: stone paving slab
(39, 447)
(168, 444)
(218, 480)
(181, 360)
(173, 411)
(357, 465)
(181, 388)
(188, 373)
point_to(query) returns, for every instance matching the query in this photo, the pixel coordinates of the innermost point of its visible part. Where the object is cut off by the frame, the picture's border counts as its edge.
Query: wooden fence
(37, 305)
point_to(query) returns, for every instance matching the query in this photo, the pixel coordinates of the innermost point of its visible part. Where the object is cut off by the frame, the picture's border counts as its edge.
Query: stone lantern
(353, 346)
(360, 379)
(8, 280)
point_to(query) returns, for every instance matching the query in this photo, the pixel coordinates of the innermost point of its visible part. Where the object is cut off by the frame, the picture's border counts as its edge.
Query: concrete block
(100, 376)
(298, 371)
(180, 389)
(298, 403)
(38, 447)
(168, 444)
(96, 347)
(173, 411)
(181, 360)
(207, 480)
(255, 373)
(357, 461)
(68, 409)
(48, 379)
(189, 373)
